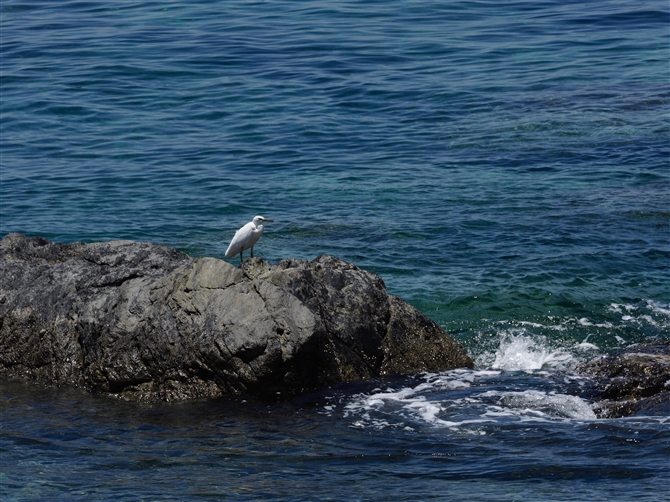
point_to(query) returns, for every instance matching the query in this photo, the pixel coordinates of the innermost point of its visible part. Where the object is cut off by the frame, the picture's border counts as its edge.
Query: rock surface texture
(636, 380)
(147, 322)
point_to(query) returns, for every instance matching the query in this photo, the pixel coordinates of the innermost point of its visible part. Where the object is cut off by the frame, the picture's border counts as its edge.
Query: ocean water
(503, 166)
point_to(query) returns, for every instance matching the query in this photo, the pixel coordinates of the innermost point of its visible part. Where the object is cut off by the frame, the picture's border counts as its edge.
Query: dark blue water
(504, 166)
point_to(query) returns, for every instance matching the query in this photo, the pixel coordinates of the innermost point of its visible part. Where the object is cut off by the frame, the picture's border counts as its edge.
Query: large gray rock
(148, 322)
(633, 381)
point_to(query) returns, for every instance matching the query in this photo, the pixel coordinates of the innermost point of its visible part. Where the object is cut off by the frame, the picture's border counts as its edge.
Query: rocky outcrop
(636, 380)
(147, 322)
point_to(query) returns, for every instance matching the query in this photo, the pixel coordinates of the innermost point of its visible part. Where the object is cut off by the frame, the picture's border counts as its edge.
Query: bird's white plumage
(246, 237)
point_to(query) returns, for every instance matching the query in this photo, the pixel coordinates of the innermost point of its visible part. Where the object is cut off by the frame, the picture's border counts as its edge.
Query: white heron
(246, 237)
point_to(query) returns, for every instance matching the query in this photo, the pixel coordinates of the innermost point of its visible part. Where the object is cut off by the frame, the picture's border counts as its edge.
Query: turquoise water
(503, 166)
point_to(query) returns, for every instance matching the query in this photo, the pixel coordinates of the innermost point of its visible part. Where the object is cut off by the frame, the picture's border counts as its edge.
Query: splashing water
(525, 353)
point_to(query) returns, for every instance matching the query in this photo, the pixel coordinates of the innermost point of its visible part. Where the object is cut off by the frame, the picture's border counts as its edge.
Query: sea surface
(503, 166)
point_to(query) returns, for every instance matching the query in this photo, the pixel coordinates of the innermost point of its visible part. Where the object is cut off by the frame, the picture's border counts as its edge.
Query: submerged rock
(636, 380)
(147, 322)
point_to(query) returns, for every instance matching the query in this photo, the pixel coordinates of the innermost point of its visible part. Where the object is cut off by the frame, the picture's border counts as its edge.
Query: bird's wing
(239, 241)
(233, 249)
(254, 236)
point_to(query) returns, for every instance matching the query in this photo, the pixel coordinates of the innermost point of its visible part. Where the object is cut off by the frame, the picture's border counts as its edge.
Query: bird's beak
(271, 221)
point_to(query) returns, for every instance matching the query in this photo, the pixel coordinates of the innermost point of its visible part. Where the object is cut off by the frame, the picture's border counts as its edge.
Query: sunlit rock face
(147, 322)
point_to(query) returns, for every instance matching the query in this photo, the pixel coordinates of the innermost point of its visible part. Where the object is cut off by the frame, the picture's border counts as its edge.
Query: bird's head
(259, 219)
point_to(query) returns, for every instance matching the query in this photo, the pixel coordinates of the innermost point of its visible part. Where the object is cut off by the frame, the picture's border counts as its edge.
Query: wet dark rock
(634, 381)
(147, 322)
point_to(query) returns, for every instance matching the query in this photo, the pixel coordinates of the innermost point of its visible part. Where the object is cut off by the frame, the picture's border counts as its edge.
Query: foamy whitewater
(464, 399)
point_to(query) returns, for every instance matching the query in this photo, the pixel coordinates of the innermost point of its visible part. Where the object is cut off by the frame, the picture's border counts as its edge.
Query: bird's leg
(252, 251)
(241, 257)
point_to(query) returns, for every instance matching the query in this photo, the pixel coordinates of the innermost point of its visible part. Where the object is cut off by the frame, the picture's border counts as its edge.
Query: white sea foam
(649, 320)
(525, 353)
(529, 324)
(423, 403)
(553, 327)
(430, 404)
(588, 324)
(659, 308)
(540, 403)
(586, 346)
(650, 311)
(614, 307)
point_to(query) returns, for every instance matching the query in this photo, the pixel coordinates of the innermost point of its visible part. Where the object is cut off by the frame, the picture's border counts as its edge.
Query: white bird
(246, 237)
